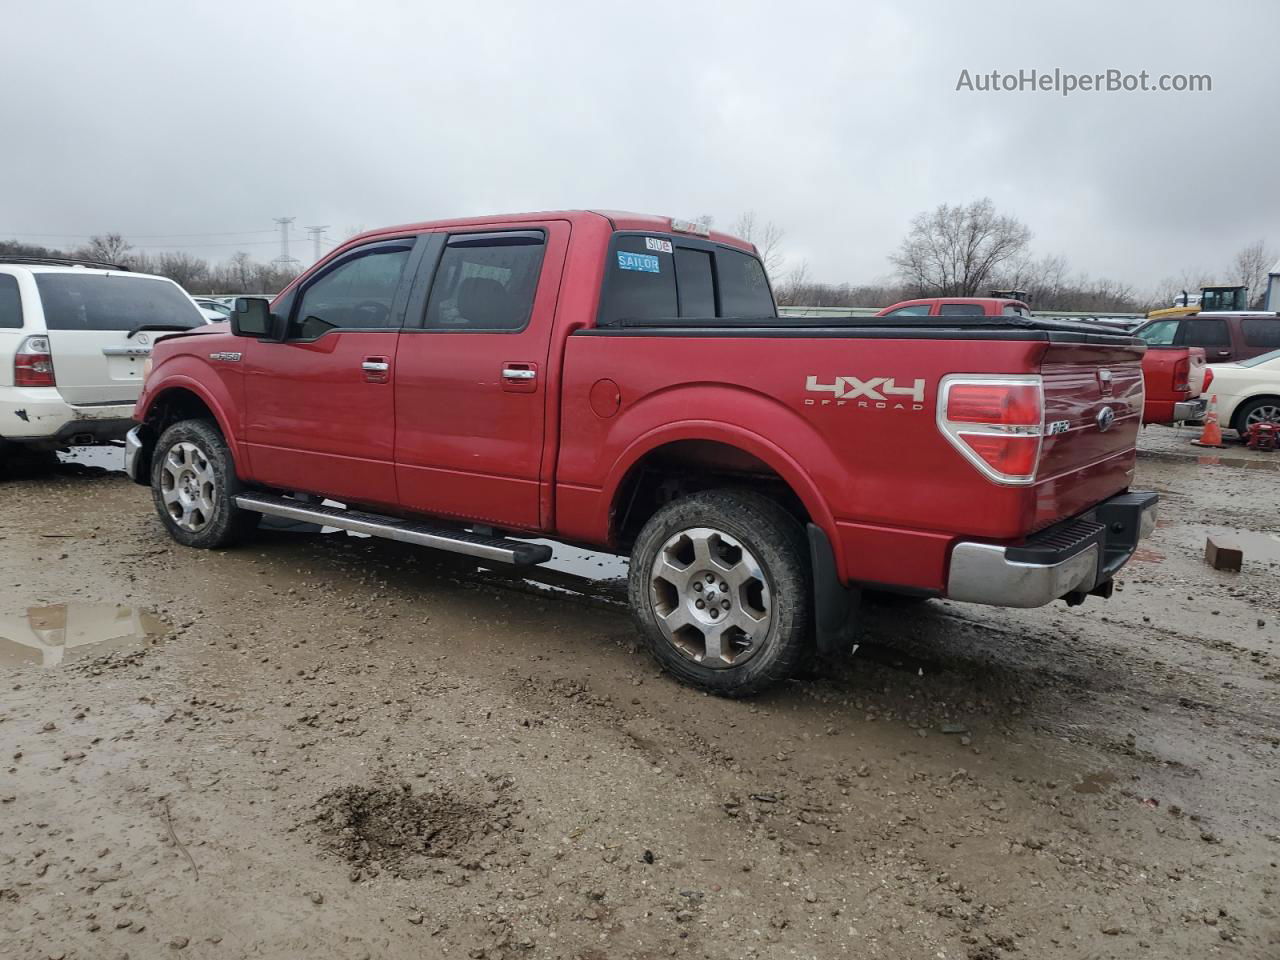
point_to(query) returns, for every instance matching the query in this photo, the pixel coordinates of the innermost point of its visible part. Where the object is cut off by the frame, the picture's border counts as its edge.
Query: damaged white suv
(74, 337)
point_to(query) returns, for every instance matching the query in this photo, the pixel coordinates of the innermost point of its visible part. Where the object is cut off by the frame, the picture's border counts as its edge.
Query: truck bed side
(871, 466)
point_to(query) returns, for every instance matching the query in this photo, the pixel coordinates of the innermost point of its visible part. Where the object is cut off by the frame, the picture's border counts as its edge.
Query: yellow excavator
(1211, 298)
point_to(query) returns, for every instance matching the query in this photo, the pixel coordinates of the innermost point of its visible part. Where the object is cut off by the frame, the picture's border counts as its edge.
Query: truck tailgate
(1093, 398)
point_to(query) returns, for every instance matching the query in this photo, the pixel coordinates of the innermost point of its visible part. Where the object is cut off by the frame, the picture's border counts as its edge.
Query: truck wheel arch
(182, 399)
(686, 444)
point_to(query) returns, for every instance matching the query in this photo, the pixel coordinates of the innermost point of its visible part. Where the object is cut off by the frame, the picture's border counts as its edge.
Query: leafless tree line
(240, 273)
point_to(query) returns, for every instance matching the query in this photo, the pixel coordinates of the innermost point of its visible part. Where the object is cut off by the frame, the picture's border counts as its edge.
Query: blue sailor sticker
(644, 262)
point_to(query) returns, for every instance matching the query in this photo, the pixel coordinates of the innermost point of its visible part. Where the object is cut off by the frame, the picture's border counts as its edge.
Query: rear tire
(194, 486)
(721, 591)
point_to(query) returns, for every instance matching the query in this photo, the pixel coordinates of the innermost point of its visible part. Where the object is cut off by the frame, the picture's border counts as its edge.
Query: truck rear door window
(486, 282)
(98, 301)
(1197, 332)
(694, 283)
(10, 302)
(744, 288)
(1258, 331)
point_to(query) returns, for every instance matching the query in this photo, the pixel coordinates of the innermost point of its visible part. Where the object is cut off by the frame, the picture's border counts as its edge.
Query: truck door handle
(519, 376)
(376, 369)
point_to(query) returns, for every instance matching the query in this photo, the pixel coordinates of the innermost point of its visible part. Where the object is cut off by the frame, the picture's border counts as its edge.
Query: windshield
(102, 301)
(1260, 360)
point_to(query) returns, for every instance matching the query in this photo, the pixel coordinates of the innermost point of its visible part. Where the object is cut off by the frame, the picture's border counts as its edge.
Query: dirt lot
(325, 746)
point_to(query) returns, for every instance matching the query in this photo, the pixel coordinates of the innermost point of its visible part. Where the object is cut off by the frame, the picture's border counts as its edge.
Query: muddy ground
(325, 746)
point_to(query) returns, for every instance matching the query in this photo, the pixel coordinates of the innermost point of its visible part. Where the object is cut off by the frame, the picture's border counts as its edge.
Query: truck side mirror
(252, 318)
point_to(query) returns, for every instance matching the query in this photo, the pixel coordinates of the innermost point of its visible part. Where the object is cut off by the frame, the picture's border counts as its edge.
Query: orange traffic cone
(1211, 435)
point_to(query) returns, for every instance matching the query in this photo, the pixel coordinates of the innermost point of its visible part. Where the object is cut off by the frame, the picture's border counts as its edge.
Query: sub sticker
(653, 243)
(644, 262)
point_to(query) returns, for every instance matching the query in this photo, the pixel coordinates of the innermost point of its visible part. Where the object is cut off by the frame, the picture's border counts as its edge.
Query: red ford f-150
(624, 382)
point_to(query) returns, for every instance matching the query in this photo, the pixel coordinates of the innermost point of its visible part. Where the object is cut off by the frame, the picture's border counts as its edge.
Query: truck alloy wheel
(194, 486)
(721, 590)
(710, 597)
(188, 486)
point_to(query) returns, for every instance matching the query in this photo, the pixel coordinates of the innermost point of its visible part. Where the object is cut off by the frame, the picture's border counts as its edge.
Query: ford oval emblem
(1106, 417)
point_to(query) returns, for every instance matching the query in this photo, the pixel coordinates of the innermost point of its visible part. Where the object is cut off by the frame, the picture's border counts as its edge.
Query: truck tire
(721, 591)
(194, 486)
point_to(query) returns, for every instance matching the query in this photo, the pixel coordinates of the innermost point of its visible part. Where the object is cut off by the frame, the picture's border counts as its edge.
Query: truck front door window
(355, 295)
(1160, 334)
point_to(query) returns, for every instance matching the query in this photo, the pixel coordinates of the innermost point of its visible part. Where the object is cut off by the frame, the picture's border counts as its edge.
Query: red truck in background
(957, 307)
(624, 382)
(1176, 381)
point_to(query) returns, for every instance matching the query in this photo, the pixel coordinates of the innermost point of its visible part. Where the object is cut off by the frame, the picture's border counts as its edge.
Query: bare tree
(790, 292)
(956, 250)
(183, 269)
(108, 248)
(239, 271)
(767, 237)
(1251, 265)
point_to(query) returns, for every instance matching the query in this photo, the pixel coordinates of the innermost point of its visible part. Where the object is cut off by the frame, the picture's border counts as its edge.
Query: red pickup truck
(624, 382)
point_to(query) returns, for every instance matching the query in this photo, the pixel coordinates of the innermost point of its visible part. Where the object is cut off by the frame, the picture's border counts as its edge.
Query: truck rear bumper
(1189, 410)
(1068, 561)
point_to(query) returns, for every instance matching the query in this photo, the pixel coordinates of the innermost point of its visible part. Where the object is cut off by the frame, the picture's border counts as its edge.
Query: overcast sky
(194, 124)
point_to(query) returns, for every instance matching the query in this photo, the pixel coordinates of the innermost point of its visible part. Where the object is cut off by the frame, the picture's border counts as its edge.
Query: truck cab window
(694, 283)
(744, 288)
(640, 282)
(919, 310)
(356, 294)
(961, 310)
(485, 285)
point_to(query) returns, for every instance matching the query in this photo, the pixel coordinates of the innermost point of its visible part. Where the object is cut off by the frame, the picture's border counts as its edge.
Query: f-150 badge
(878, 393)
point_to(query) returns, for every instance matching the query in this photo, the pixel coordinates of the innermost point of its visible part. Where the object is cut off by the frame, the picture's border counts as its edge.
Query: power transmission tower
(316, 233)
(284, 261)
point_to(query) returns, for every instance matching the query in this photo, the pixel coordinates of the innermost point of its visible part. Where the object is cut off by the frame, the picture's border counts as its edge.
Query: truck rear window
(664, 277)
(95, 301)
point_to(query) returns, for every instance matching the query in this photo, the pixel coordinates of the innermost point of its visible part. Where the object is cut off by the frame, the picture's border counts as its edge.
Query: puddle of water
(1096, 782)
(50, 636)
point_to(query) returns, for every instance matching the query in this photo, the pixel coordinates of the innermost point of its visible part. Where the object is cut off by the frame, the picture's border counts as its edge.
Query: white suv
(73, 341)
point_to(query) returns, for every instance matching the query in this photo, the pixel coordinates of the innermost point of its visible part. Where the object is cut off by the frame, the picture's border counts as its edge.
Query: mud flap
(834, 604)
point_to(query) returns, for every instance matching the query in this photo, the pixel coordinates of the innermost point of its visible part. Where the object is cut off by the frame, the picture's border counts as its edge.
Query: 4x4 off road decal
(874, 393)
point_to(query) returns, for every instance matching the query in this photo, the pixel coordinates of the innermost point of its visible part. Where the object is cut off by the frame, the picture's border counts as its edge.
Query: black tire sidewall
(777, 541)
(229, 522)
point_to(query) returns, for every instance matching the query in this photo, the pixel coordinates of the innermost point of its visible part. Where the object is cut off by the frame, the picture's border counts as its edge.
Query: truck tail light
(997, 423)
(1182, 375)
(33, 364)
(1208, 380)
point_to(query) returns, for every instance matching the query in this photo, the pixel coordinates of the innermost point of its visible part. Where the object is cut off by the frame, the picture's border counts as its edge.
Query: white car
(214, 310)
(73, 341)
(1248, 391)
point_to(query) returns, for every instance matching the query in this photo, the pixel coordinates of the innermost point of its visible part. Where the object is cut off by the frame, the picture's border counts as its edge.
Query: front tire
(721, 591)
(194, 486)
